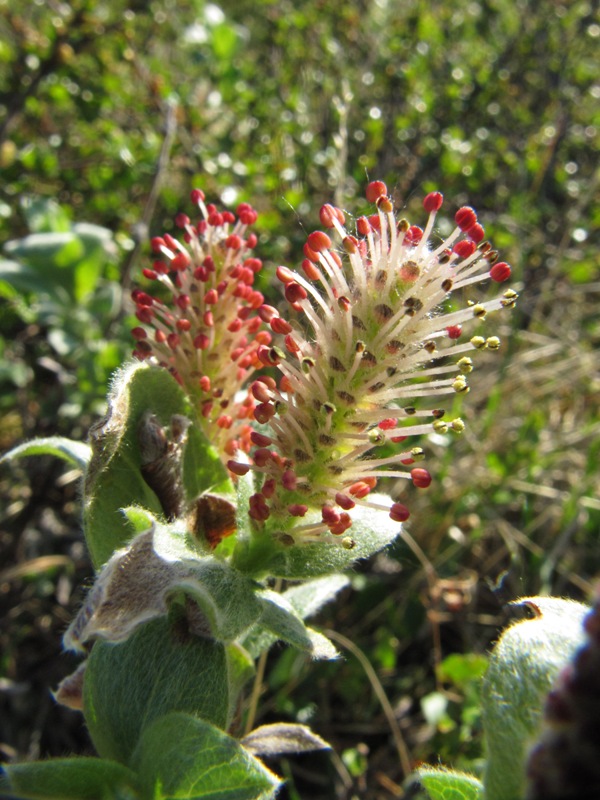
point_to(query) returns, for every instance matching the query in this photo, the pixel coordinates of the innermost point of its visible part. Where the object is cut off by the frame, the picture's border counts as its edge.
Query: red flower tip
(464, 248)
(181, 220)
(318, 241)
(413, 235)
(433, 202)
(375, 190)
(329, 214)
(500, 272)
(399, 512)
(465, 218)
(476, 233)
(454, 331)
(420, 477)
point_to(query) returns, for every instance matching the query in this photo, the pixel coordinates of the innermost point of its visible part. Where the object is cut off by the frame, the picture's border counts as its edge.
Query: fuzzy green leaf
(76, 453)
(182, 757)
(442, 784)
(69, 779)
(159, 669)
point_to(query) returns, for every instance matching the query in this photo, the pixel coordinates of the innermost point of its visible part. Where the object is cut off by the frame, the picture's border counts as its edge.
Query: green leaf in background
(442, 784)
(161, 668)
(69, 779)
(182, 757)
(281, 619)
(76, 453)
(44, 215)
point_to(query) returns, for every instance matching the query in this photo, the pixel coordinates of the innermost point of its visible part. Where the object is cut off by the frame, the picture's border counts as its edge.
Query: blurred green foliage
(111, 111)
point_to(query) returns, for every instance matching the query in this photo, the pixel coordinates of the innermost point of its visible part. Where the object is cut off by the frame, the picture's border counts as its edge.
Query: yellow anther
(465, 365)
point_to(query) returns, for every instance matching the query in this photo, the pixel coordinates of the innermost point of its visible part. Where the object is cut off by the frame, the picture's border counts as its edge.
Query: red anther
(255, 264)
(263, 337)
(262, 456)
(268, 488)
(157, 243)
(344, 304)
(209, 263)
(234, 242)
(285, 275)
(260, 392)
(350, 244)
(336, 258)
(255, 300)
(329, 214)
(173, 341)
(264, 412)
(409, 272)
(260, 440)
(385, 205)
(318, 241)
(181, 220)
(454, 331)
(340, 527)
(215, 219)
(285, 385)
(139, 334)
(363, 226)
(208, 319)
(407, 461)
(266, 356)
(388, 424)
(375, 222)
(398, 439)
(142, 351)
(197, 195)
(344, 501)
(224, 421)
(464, 248)
(289, 480)
(170, 241)
(241, 291)
(221, 287)
(204, 383)
(500, 272)
(202, 227)
(465, 218)
(432, 202)
(399, 513)
(201, 274)
(266, 313)
(310, 270)
(246, 276)
(413, 235)
(330, 515)
(375, 190)
(201, 341)
(251, 243)
(371, 482)
(359, 489)
(180, 261)
(420, 477)
(310, 254)
(253, 325)
(279, 325)
(211, 297)
(207, 408)
(228, 218)
(183, 301)
(160, 337)
(294, 293)
(291, 345)
(141, 298)
(235, 354)
(160, 267)
(235, 326)
(238, 468)
(150, 274)
(476, 233)
(297, 509)
(183, 325)
(145, 314)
